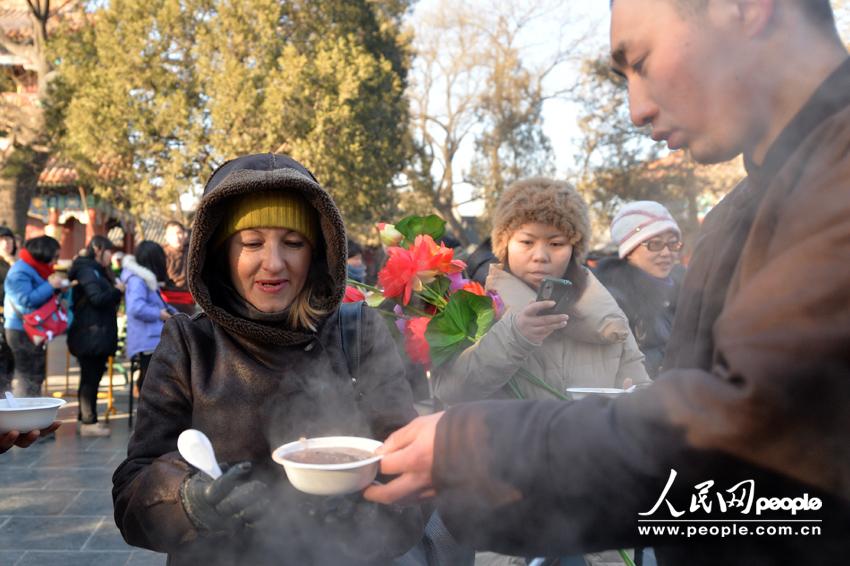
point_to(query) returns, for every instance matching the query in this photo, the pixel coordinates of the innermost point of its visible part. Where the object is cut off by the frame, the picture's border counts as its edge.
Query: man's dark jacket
(759, 389)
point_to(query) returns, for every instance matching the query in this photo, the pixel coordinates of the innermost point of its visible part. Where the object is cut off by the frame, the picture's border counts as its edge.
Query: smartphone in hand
(562, 291)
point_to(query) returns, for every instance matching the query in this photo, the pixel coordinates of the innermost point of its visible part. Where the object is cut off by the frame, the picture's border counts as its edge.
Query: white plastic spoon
(197, 449)
(13, 403)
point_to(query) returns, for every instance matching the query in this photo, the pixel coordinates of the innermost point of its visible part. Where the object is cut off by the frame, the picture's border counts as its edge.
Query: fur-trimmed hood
(130, 267)
(543, 200)
(248, 174)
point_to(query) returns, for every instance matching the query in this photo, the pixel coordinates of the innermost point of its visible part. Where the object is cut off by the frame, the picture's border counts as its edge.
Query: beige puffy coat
(596, 349)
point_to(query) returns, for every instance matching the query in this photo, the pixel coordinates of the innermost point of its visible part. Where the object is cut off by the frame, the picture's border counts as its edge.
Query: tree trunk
(18, 183)
(692, 190)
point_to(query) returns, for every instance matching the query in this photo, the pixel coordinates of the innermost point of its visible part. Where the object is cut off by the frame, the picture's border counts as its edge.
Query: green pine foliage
(163, 91)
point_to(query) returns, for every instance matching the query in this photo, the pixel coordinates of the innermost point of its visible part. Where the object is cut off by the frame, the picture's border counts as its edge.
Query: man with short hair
(176, 251)
(755, 403)
(176, 245)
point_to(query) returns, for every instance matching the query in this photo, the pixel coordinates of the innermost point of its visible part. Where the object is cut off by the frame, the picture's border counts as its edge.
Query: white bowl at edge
(33, 413)
(329, 479)
(582, 392)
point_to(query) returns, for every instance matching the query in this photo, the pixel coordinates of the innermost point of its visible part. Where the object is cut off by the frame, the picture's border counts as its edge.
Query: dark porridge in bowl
(328, 455)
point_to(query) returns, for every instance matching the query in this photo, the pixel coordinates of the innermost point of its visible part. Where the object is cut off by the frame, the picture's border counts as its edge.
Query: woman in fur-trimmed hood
(262, 365)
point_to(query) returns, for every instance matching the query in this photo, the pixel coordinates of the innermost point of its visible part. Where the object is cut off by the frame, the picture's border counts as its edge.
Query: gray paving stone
(66, 458)
(47, 533)
(22, 457)
(55, 496)
(66, 437)
(21, 478)
(147, 558)
(106, 537)
(46, 558)
(116, 441)
(18, 502)
(9, 557)
(91, 502)
(78, 478)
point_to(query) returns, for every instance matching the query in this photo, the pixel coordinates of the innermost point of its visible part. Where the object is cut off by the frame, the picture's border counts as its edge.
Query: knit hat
(543, 200)
(637, 222)
(269, 209)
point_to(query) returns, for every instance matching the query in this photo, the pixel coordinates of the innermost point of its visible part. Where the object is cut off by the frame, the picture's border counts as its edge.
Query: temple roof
(58, 173)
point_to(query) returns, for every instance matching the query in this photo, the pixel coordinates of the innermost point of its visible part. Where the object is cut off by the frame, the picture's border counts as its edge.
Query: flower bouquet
(436, 310)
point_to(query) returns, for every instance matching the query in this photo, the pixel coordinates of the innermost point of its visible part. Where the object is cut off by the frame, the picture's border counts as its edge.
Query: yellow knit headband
(269, 210)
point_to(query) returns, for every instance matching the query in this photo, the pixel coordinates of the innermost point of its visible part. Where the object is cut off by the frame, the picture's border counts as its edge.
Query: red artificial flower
(352, 295)
(409, 270)
(398, 275)
(442, 258)
(475, 288)
(415, 343)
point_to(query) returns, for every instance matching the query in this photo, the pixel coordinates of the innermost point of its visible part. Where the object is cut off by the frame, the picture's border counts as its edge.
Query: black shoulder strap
(350, 319)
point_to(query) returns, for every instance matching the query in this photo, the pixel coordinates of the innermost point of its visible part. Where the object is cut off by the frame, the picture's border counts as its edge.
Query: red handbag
(46, 322)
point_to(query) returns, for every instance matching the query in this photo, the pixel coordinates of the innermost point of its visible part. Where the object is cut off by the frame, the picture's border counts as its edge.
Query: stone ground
(55, 496)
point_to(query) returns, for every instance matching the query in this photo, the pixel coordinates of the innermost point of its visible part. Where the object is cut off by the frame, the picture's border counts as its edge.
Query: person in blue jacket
(143, 275)
(29, 284)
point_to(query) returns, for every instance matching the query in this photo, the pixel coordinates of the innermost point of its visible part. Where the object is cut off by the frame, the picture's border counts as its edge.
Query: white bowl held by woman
(32, 413)
(581, 392)
(329, 479)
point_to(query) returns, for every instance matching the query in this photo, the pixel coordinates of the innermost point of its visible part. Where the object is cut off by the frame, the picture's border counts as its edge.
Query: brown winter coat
(251, 383)
(757, 387)
(596, 349)
(175, 266)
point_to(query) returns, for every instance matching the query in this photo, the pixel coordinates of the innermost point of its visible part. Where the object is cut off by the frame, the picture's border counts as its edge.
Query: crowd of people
(90, 295)
(282, 242)
(736, 367)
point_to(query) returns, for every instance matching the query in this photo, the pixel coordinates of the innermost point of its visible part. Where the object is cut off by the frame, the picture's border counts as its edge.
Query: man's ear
(747, 18)
(753, 16)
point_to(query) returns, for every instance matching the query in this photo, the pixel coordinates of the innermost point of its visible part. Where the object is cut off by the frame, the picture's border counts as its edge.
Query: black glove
(226, 504)
(333, 509)
(364, 530)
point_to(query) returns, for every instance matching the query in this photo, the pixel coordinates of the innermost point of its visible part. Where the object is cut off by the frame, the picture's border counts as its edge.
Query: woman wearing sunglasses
(645, 278)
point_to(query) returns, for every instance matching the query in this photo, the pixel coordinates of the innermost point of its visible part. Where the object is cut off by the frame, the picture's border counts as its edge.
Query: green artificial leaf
(441, 285)
(412, 226)
(466, 318)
